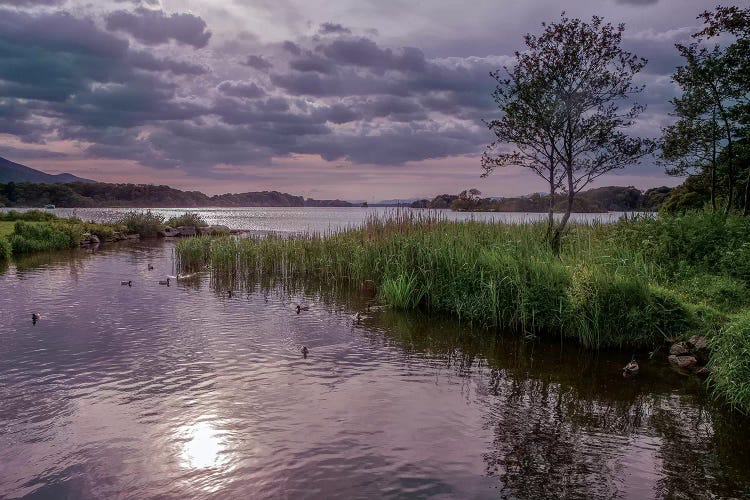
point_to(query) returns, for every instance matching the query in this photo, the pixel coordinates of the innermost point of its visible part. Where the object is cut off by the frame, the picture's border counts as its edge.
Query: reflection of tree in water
(565, 424)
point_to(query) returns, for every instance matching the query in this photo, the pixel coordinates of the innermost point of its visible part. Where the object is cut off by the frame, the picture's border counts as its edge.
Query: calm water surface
(185, 392)
(294, 220)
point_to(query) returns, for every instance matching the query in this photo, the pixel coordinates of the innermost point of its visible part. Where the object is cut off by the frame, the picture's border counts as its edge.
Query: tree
(690, 144)
(727, 77)
(560, 110)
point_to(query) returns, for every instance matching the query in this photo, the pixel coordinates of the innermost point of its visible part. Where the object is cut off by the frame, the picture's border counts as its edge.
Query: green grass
(147, 224)
(187, 219)
(607, 288)
(6, 250)
(6, 228)
(730, 362)
(631, 285)
(28, 237)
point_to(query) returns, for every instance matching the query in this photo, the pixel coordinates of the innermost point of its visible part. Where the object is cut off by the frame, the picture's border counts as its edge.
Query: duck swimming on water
(150, 267)
(302, 308)
(164, 282)
(304, 350)
(631, 369)
(34, 318)
(129, 283)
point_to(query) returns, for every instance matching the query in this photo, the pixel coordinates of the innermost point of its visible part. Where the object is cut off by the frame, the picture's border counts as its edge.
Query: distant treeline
(604, 199)
(99, 194)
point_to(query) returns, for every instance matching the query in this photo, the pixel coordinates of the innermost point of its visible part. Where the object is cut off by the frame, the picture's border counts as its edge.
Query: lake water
(187, 392)
(295, 220)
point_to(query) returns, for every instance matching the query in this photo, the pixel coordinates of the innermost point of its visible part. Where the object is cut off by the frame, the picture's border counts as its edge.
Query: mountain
(15, 172)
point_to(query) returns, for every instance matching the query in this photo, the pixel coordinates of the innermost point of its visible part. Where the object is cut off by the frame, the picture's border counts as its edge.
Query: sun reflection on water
(203, 447)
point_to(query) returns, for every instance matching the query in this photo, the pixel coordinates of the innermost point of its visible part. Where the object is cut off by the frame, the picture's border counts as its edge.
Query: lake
(187, 391)
(321, 220)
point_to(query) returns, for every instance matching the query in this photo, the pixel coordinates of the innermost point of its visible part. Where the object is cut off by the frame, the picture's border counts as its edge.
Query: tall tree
(716, 81)
(691, 144)
(560, 107)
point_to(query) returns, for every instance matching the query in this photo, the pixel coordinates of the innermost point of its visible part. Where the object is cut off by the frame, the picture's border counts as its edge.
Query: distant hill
(604, 199)
(100, 194)
(15, 172)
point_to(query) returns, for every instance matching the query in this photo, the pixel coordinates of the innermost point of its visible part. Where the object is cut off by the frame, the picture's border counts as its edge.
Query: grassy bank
(22, 233)
(632, 285)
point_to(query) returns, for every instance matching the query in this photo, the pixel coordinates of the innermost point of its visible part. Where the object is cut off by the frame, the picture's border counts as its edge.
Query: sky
(358, 99)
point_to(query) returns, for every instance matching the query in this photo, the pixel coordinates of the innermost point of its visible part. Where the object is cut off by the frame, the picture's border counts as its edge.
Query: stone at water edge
(698, 342)
(169, 232)
(679, 349)
(187, 230)
(682, 362)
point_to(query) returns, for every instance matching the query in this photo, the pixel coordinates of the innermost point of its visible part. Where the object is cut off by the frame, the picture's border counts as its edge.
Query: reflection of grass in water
(486, 274)
(632, 284)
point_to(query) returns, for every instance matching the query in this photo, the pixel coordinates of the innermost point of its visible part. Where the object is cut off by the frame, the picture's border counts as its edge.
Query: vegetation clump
(187, 219)
(6, 250)
(730, 362)
(147, 224)
(28, 237)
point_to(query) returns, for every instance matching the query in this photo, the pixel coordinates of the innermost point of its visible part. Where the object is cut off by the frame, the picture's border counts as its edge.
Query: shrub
(187, 219)
(30, 216)
(730, 362)
(147, 224)
(35, 237)
(5, 249)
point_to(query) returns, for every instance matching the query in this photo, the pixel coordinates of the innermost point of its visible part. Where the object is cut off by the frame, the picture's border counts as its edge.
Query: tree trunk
(550, 215)
(730, 170)
(556, 240)
(713, 161)
(746, 209)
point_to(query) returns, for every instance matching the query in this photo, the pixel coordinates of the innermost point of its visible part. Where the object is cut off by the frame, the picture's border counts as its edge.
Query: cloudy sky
(353, 99)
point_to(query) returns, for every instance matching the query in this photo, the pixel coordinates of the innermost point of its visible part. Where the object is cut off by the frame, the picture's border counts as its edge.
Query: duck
(302, 308)
(150, 267)
(358, 317)
(631, 369)
(164, 282)
(304, 350)
(129, 283)
(35, 317)
(229, 293)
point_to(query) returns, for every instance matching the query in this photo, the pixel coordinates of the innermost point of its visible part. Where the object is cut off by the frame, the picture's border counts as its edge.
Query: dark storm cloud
(312, 62)
(292, 48)
(333, 93)
(257, 62)
(154, 27)
(249, 90)
(365, 52)
(29, 154)
(147, 61)
(333, 28)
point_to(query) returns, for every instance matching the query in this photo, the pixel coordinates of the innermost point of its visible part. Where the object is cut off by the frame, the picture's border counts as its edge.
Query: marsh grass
(634, 284)
(730, 362)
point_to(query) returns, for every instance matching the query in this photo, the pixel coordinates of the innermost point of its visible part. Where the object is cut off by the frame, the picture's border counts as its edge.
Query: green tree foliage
(560, 110)
(713, 110)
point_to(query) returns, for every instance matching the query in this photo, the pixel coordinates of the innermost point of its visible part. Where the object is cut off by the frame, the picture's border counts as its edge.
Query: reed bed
(632, 284)
(600, 290)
